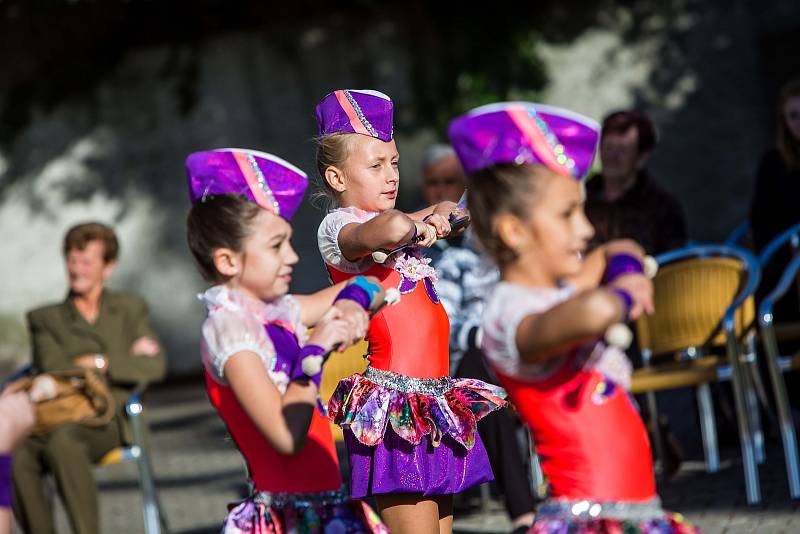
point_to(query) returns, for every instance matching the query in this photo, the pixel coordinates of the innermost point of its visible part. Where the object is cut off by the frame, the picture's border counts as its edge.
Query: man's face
(619, 154)
(444, 180)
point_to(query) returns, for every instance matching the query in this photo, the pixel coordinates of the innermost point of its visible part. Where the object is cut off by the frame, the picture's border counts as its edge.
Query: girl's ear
(334, 176)
(511, 232)
(227, 262)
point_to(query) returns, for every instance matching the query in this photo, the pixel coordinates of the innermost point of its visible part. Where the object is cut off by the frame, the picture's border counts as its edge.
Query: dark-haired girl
(544, 321)
(263, 370)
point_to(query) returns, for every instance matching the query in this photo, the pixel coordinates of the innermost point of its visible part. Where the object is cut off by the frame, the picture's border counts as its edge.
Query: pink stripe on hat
(259, 188)
(355, 122)
(536, 138)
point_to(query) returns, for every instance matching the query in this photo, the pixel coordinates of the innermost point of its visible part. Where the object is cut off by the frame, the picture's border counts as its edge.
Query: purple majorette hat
(272, 183)
(360, 111)
(523, 132)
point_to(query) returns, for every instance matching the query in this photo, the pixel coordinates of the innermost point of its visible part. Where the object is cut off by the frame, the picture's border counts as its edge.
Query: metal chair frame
(155, 522)
(776, 363)
(748, 426)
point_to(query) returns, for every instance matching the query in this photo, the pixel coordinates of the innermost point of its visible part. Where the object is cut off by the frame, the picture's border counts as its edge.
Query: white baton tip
(379, 256)
(650, 266)
(312, 365)
(619, 335)
(391, 295)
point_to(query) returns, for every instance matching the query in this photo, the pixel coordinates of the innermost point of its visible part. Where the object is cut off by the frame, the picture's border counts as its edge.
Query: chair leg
(708, 428)
(153, 517)
(750, 466)
(537, 475)
(658, 440)
(750, 371)
(788, 436)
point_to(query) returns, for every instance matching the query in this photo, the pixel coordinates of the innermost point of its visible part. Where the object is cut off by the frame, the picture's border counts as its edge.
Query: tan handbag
(80, 396)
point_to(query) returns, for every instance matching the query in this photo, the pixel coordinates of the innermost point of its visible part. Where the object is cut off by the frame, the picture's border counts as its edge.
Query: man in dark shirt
(623, 201)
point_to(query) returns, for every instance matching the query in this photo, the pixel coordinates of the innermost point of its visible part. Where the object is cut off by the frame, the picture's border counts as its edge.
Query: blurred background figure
(775, 208)
(777, 190)
(623, 201)
(442, 179)
(16, 420)
(95, 328)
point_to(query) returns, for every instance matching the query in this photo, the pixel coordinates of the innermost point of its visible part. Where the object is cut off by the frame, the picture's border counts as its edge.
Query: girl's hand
(428, 233)
(445, 208)
(17, 418)
(356, 317)
(641, 289)
(440, 223)
(332, 332)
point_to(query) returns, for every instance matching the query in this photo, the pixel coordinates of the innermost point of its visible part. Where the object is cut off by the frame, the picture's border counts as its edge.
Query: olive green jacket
(59, 333)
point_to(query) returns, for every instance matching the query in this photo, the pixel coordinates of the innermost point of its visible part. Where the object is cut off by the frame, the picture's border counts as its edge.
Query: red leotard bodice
(409, 338)
(589, 437)
(313, 469)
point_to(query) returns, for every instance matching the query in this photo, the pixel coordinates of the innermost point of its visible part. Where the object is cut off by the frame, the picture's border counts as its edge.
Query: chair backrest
(692, 293)
(338, 366)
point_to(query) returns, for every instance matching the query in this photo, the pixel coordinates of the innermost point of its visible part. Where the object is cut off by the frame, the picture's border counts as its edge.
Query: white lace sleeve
(509, 305)
(225, 333)
(328, 241)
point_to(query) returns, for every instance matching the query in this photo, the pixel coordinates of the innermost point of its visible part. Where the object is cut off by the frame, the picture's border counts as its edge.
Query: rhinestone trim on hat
(557, 147)
(263, 183)
(360, 114)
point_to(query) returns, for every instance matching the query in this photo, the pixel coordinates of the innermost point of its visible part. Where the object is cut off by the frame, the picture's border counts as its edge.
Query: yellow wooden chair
(338, 366)
(703, 299)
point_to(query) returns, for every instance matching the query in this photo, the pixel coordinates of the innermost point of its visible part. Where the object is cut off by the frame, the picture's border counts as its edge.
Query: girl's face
(791, 114)
(555, 235)
(263, 268)
(371, 174)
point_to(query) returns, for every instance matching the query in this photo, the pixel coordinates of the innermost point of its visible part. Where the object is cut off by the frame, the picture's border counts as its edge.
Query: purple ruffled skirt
(408, 435)
(396, 466)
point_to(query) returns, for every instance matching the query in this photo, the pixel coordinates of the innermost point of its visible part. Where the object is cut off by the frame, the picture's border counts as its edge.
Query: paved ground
(198, 471)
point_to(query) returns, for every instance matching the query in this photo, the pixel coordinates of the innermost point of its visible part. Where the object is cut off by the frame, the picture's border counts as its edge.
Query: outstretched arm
(387, 230)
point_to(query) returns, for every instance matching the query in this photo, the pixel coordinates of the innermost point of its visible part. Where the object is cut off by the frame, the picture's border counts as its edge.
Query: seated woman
(99, 329)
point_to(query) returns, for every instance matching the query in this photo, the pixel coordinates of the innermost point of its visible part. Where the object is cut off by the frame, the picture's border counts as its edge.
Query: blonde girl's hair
(332, 151)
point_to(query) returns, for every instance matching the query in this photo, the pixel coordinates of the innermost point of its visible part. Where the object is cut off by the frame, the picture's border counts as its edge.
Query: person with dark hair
(545, 323)
(777, 188)
(623, 201)
(263, 368)
(108, 332)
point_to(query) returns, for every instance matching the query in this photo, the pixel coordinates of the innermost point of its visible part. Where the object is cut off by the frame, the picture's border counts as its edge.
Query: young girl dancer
(262, 369)
(544, 319)
(409, 428)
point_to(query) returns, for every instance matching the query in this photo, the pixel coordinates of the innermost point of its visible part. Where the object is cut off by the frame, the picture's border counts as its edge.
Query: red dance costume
(590, 439)
(409, 427)
(299, 492)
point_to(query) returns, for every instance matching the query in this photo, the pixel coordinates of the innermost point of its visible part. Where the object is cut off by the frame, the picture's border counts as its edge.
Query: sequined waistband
(622, 510)
(407, 384)
(300, 500)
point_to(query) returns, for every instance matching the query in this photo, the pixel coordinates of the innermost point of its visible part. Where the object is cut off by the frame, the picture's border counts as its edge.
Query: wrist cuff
(620, 264)
(5, 481)
(627, 301)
